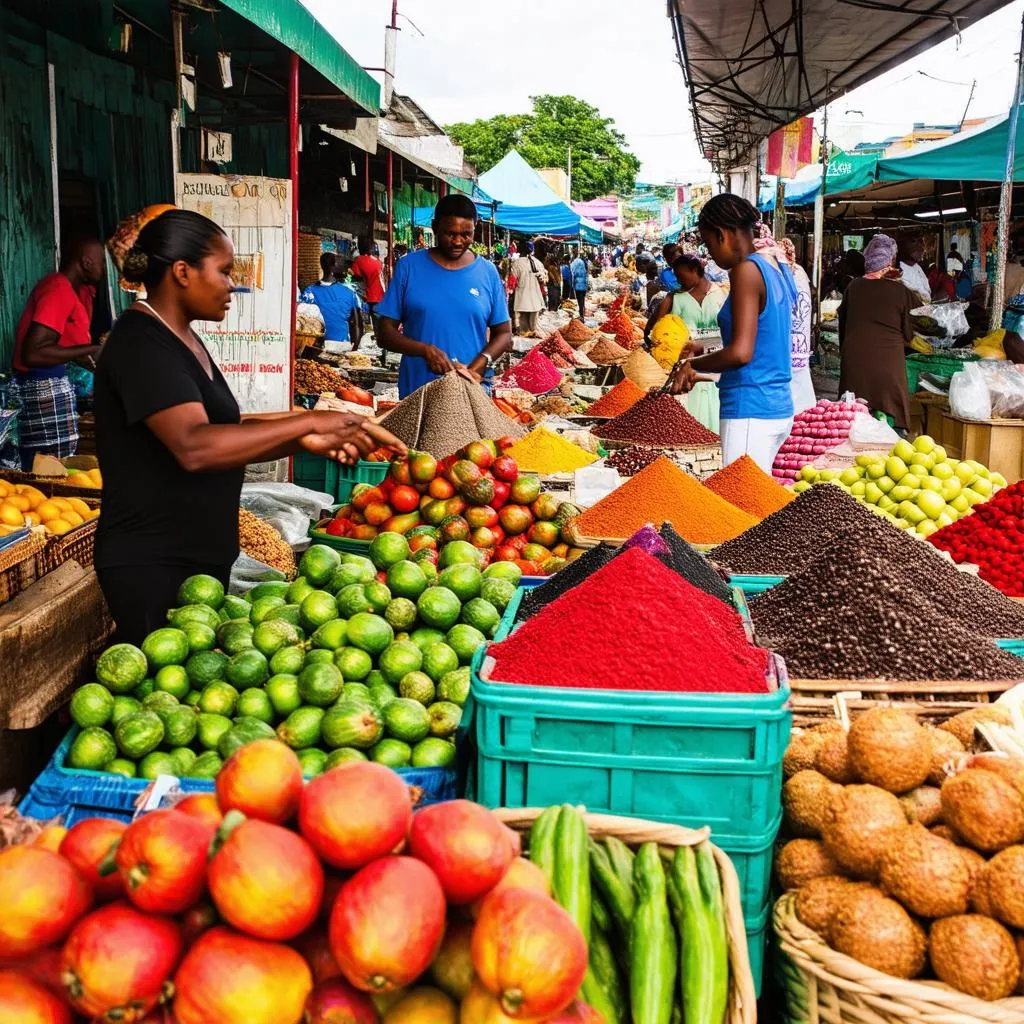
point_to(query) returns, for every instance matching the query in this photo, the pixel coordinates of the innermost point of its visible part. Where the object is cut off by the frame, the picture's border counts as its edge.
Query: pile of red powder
(657, 420)
(634, 625)
(536, 374)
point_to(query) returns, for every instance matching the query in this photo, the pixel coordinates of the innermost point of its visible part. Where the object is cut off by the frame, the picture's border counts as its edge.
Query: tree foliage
(601, 161)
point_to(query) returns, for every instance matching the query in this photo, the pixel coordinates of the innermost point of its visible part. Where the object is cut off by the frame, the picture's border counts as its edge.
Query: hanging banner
(790, 148)
(252, 343)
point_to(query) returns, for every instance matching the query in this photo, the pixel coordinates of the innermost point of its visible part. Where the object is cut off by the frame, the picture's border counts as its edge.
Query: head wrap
(879, 254)
(782, 249)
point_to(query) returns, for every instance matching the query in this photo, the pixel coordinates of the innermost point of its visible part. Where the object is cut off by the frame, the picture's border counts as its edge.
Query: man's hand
(347, 437)
(437, 360)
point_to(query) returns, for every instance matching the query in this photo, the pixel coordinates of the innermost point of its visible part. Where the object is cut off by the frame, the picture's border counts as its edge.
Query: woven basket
(742, 1008)
(20, 566)
(79, 545)
(823, 985)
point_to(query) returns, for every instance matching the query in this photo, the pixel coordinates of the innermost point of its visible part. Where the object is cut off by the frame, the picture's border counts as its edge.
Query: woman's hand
(347, 437)
(437, 360)
(682, 378)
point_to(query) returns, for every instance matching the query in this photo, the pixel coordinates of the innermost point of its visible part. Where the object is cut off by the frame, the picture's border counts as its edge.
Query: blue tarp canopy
(527, 203)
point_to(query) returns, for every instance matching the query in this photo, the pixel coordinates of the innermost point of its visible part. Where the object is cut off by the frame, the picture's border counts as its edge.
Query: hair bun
(135, 265)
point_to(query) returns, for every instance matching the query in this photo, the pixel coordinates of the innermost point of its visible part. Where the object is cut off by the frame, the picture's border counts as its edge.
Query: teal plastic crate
(341, 480)
(691, 759)
(1013, 646)
(310, 471)
(355, 547)
(757, 935)
(754, 585)
(752, 857)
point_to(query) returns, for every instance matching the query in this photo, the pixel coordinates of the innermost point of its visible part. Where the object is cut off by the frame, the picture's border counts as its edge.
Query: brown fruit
(980, 902)
(889, 749)
(943, 831)
(806, 797)
(1019, 941)
(833, 760)
(922, 805)
(1005, 876)
(975, 863)
(801, 753)
(1010, 769)
(800, 860)
(863, 820)
(945, 747)
(816, 902)
(962, 725)
(984, 808)
(975, 955)
(878, 932)
(926, 874)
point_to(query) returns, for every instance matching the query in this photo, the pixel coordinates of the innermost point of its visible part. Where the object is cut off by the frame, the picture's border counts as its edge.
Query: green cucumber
(542, 842)
(695, 892)
(622, 859)
(652, 946)
(572, 867)
(618, 895)
(603, 987)
(599, 916)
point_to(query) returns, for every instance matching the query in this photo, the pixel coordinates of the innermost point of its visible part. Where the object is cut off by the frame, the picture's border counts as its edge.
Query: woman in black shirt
(172, 444)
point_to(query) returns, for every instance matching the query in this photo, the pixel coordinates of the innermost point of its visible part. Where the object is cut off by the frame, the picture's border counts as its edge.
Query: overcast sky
(465, 59)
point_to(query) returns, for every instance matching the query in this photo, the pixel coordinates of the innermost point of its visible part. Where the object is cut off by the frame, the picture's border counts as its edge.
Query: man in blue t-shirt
(338, 304)
(449, 302)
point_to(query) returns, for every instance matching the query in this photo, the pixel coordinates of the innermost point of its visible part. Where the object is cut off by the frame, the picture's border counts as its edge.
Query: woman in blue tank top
(756, 324)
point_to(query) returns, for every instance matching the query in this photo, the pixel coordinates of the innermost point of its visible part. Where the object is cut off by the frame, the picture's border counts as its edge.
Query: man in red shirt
(369, 272)
(53, 331)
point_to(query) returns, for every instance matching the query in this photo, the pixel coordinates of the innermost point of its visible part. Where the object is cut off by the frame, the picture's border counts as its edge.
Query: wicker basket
(742, 1008)
(20, 566)
(52, 486)
(823, 985)
(814, 699)
(79, 545)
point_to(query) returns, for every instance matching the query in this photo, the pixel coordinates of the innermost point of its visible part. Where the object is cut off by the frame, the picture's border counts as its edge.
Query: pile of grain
(260, 540)
(313, 378)
(658, 420)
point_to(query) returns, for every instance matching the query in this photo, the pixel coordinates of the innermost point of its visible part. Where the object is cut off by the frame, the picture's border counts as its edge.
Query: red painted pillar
(391, 214)
(293, 173)
(366, 190)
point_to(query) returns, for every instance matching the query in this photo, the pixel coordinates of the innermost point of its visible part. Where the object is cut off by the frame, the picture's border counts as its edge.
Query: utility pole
(819, 209)
(570, 172)
(1006, 196)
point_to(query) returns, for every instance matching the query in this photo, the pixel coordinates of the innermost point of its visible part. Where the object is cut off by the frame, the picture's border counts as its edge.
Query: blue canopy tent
(527, 203)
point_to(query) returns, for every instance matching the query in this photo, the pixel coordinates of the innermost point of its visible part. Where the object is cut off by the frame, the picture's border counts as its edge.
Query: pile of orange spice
(747, 486)
(663, 492)
(623, 396)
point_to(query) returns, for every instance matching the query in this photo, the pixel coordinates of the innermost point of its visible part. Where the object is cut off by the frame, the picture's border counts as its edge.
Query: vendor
(580, 281)
(172, 444)
(54, 330)
(756, 326)
(874, 327)
(338, 304)
(449, 302)
(368, 271)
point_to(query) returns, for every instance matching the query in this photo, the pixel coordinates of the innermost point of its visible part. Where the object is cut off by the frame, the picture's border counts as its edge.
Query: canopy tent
(845, 171)
(591, 231)
(752, 66)
(527, 203)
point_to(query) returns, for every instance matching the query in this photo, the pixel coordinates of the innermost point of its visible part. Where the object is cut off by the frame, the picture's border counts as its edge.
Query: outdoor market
(438, 590)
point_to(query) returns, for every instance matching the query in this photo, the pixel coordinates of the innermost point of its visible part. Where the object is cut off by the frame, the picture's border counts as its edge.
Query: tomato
(337, 528)
(405, 499)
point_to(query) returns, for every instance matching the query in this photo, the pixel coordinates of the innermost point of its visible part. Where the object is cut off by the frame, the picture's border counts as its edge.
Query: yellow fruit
(57, 526)
(94, 476)
(34, 495)
(79, 506)
(93, 513)
(73, 518)
(5, 530)
(5, 488)
(19, 501)
(11, 515)
(49, 510)
(32, 519)
(62, 504)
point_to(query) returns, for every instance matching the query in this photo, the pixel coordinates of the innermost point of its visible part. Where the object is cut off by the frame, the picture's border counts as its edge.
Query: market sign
(252, 344)
(850, 170)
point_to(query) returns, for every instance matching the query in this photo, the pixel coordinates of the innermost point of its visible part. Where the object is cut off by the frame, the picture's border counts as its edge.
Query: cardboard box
(996, 444)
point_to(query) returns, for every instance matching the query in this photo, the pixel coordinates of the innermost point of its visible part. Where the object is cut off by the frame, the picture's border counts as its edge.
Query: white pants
(760, 439)
(802, 390)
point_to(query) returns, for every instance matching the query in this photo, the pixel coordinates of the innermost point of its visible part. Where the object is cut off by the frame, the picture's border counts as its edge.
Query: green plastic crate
(691, 759)
(940, 366)
(356, 547)
(757, 929)
(341, 480)
(310, 471)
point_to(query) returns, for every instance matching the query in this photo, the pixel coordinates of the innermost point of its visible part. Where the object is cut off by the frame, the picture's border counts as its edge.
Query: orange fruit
(19, 501)
(5, 488)
(34, 495)
(79, 506)
(58, 526)
(48, 510)
(94, 476)
(11, 515)
(32, 519)
(73, 518)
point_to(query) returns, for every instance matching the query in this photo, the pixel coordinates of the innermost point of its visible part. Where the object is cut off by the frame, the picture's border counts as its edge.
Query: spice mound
(446, 414)
(535, 373)
(262, 541)
(629, 461)
(555, 348)
(623, 396)
(748, 487)
(645, 628)
(543, 451)
(784, 541)
(576, 332)
(604, 351)
(664, 493)
(861, 611)
(313, 378)
(658, 420)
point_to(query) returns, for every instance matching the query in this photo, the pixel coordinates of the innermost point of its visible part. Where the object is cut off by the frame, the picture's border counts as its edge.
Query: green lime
(301, 728)
(356, 691)
(439, 659)
(463, 580)
(320, 685)
(288, 660)
(417, 686)
(352, 600)
(348, 573)
(247, 668)
(183, 758)
(283, 691)
(123, 707)
(464, 640)
(219, 698)
(425, 638)
(234, 607)
(200, 636)
(504, 571)
(318, 564)
(273, 634)
(316, 609)
(313, 761)
(243, 731)
(210, 729)
(173, 679)
(454, 686)
(201, 613)
(406, 720)
(121, 668)
(498, 592)
(269, 588)
(139, 733)
(91, 750)
(122, 766)
(370, 633)
(235, 636)
(319, 656)
(351, 724)
(284, 613)
(202, 589)
(382, 694)
(439, 607)
(167, 646)
(331, 635)
(367, 569)
(342, 755)
(92, 704)
(157, 763)
(160, 702)
(300, 589)
(433, 753)
(256, 703)
(399, 659)
(144, 689)
(444, 718)
(388, 548)
(378, 595)
(400, 613)
(391, 752)
(206, 667)
(481, 615)
(206, 765)
(353, 663)
(262, 607)
(192, 699)
(458, 552)
(406, 579)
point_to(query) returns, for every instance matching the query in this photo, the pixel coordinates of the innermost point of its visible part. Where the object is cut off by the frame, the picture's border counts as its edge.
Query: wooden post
(293, 173)
(391, 214)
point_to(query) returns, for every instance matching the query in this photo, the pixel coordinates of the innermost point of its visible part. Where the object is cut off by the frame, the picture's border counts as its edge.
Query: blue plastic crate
(73, 794)
(753, 585)
(692, 759)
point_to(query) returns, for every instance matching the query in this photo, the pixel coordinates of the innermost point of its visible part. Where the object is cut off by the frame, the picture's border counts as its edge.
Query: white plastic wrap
(247, 572)
(1005, 388)
(287, 507)
(969, 397)
(869, 433)
(950, 315)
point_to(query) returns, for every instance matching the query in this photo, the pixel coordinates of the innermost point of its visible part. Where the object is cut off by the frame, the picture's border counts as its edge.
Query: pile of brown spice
(604, 351)
(576, 332)
(658, 420)
(313, 378)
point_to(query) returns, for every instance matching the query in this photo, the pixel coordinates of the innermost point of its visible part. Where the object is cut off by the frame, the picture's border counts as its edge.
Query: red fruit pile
(297, 940)
(815, 430)
(991, 537)
(476, 495)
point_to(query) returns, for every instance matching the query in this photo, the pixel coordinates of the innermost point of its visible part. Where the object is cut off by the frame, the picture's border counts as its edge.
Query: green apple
(953, 513)
(942, 471)
(885, 483)
(964, 473)
(902, 492)
(943, 520)
(895, 467)
(903, 524)
(929, 483)
(800, 486)
(872, 493)
(938, 453)
(828, 475)
(868, 459)
(972, 497)
(960, 503)
(923, 444)
(886, 504)
(951, 487)
(808, 474)
(922, 460)
(903, 450)
(998, 479)
(919, 471)
(930, 503)
(850, 476)
(909, 511)
(983, 487)
(859, 489)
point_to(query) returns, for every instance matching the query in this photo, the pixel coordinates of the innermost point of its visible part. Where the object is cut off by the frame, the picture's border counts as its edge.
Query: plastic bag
(247, 572)
(287, 507)
(950, 316)
(867, 432)
(969, 397)
(1005, 388)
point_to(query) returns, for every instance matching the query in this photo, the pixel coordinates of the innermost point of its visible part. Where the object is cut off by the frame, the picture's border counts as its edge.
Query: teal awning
(294, 27)
(845, 171)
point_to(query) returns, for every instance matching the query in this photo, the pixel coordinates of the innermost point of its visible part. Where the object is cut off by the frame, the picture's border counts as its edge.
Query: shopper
(172, 444)
(528, 298)
(449, 302)
(551, 265)
(667, 275)
(368, 271)
(874, 327)
(566, 272)
(756, 325)
(580, 282)
(54, 330)
(954, 261)
(338, 304)
(911, 251)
